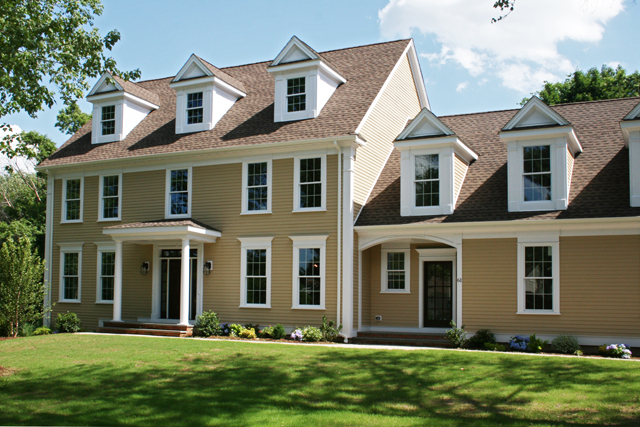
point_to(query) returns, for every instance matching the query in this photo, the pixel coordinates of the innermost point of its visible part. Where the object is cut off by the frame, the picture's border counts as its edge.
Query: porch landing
(140, 328)
(418, 339)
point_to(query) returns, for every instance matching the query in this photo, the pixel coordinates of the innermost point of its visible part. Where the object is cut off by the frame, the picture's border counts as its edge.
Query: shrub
(267, 332)
(248, 333)
(536, 344)
(328, 329)
(255, 327)
(519, 343)
(457, 336)
(5, 328)
(482, 337)
(207, 324)
(68, 322)
(225, 329)
(42, 330)
(565, 344)
(311, 334)
(26, 330)
(620, 351)
(296, 335)
(278, 332)
(491, 346)
(235, 330)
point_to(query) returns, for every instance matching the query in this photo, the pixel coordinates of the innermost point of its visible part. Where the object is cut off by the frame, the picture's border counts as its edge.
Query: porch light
(207, 267)
(144, 268)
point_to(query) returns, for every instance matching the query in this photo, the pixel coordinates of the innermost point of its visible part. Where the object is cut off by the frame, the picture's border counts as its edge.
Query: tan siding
(398, 103)
(460, 171)
(216, 201)
(599, 287)
(366, 287)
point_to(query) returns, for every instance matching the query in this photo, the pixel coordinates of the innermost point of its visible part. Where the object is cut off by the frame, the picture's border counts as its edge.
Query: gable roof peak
(535, 113)
(425, 124)
(634, 114)
(112, 83)
(196, 67)
(295, 51)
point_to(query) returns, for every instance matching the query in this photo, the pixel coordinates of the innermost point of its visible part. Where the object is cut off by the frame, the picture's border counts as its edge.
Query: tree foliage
(21, 284)
(606, 83)
(503, 5)
(71, 118)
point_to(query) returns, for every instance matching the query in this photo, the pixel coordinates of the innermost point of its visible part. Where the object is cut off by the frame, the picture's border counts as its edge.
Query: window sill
(75, 221)
(182, 216)
(539, 312)
(309, 210)
(254, 306)
(256, 212)
(300, 307)
(109, 219)
(403, 291)
(69, 301)
(104, 302)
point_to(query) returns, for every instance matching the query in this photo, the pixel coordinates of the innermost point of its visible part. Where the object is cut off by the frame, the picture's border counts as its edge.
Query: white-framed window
(178, 193)
(72, 203)
(296, 94)
(70, 272)
(427, 180)
(536, 173)
(256, 187)
(395, 268)
(106, 270)
(255, 285)
(310, 183)
(195, 111)
(108, 120)
(110, 194)
(538, 276)
(309, 278)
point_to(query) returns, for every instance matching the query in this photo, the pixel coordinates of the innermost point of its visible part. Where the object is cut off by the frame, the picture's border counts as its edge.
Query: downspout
(48, 248)
(339, 233)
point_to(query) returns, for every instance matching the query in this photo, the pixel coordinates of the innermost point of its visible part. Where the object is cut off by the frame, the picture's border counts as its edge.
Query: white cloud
(522, 49)
(20, 162)
(462, 86)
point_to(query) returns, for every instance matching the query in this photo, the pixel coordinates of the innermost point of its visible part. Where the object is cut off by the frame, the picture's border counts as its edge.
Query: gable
(634, 114)
(295, 54)
(193, 68)
(295, 51)
(105, 84)
(194, 71)
(535, 113)
(425, 124)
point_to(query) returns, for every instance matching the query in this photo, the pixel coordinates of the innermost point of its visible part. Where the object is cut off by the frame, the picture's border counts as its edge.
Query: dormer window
(427, 182)
(537, 173)
(194, 108)
(296, 96)
(109, 120)
(630, 127)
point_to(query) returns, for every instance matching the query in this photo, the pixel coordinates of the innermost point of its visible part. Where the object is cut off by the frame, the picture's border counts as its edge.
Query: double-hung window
(256, 184)
(395, 270)
(255, 286)
(72, 191)
(195, 112)
(296, 95)
(309, 258)
(70, 272)
(178, 192)
(537, 173)
(110, 197)
(106, 273)
(427, 180)
(310, 183)
(538, 276)
(108, 121)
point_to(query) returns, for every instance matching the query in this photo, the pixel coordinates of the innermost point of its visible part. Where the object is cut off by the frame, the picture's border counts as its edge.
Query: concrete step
(407, 335)
(414, 342)
(139, 325)
(142, 331)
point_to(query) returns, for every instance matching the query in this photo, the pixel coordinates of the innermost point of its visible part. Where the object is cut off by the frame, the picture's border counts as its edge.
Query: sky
(468, 63)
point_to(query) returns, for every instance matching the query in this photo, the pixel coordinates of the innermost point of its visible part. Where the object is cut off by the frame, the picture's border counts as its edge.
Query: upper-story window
(310, 183)
(178, 193)
(110, 196)
(296, 95)
(194, 108)
(256, 184)
(537, 173)
(427, 180)
(72, 190)
(108, 120)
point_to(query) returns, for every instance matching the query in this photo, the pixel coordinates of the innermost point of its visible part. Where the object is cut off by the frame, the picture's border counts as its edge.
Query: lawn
(111, 380)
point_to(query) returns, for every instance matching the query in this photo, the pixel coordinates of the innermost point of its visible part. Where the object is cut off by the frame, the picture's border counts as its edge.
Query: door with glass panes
(170, 273)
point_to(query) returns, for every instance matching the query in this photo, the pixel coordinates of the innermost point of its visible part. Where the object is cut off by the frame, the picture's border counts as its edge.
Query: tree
(21, 284)
(71, 118)
(503, 5)
(595, 84)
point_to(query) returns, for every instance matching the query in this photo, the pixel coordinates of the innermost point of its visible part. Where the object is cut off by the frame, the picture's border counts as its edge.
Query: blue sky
(468, 63)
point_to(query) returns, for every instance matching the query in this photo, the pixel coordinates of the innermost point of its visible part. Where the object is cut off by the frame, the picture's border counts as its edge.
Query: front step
(406, 339)
(157, 329)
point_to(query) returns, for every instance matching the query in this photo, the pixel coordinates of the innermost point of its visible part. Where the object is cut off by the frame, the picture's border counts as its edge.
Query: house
(323, 184)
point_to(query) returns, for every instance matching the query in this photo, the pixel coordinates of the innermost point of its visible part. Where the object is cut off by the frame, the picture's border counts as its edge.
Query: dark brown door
(438, 293)
(175, 267)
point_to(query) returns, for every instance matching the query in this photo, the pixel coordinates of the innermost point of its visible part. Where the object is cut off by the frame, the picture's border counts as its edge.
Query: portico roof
(164, 229)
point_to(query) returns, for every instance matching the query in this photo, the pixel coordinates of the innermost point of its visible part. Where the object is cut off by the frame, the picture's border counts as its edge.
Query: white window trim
(254, 243)
(101, 217)
(287, 96)
(245, 183)
(63, 218)
(296, 183)
(446, 168)
(167, 193)
(384, 276)
(312, 242)
(64, 249)
(102, 247)
(114, 120)
(555, 258)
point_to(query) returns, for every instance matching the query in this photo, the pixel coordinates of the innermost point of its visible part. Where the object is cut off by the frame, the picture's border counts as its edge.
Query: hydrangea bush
(620, 351)
(519, 343)
(296, 335)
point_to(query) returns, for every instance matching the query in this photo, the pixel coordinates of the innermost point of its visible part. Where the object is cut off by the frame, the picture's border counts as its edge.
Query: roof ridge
(595, 100)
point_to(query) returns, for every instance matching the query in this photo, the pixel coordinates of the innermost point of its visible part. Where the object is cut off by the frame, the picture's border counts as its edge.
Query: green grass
(111, 380)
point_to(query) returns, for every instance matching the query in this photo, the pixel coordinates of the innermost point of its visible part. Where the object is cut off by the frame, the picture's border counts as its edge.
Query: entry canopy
(163, 230)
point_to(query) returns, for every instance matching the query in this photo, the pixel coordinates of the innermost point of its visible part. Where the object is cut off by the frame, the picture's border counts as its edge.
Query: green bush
(267, 332)
(491, 346)
(457, 336)
(42, 330)
(5, 328)
(482, 337)
(207, 325)
(248, 333)
(328, 329)
(565, 344)
(235, 330)
(27, 330)
(311, 334)
(278, 332)
(68, 322)
(535, 344)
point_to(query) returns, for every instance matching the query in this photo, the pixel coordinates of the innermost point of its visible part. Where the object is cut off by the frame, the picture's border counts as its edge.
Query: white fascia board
(332, 73)
(228, 88)
(446, 141)
(535, 102)
(163, 233)
(293, 41)
(552, 132)
(425, 115)
(629, 126)
(633, 114)
(116, 96)
(198, 81)
(193, 59)
(315, 63)
(106, 75)
(417, 76)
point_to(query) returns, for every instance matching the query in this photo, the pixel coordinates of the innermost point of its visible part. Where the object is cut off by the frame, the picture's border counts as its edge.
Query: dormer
(541, 148)
(304, 82)
(630, 126)
(434, 163)
(118, 107)
(204, 94)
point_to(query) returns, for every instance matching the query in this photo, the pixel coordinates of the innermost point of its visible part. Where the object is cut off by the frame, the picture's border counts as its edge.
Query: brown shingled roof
(599, 184)
(139, 91)
(250, 119)
(217, 72)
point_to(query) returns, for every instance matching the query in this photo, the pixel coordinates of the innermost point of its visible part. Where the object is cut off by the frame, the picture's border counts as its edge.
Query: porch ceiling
(163, 230)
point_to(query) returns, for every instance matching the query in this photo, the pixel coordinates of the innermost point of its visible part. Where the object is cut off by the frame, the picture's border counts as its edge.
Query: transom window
(537, 173)
(427, 180)
(108, 120)
(309, 277)
(71, 276)
(194, 108)
(107, 274)
(73, 200)
(256, 276)
(257, 186)
(179, 192)
(110, 197)
(296, 95)
(310, 183)
(538, 281)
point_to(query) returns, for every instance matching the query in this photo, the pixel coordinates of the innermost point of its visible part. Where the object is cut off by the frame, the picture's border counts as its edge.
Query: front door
(438, 294)
(170, 273)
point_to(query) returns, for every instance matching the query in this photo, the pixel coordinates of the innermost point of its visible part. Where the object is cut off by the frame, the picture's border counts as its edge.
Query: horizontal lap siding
(599, 287)
(366, 288)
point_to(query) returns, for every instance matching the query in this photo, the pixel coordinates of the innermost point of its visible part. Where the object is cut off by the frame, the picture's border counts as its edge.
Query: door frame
(440, 254)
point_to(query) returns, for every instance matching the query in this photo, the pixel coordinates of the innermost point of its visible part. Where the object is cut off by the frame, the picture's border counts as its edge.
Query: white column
(347, 241)
(458, 284)
(117, 286)
(184, 284)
